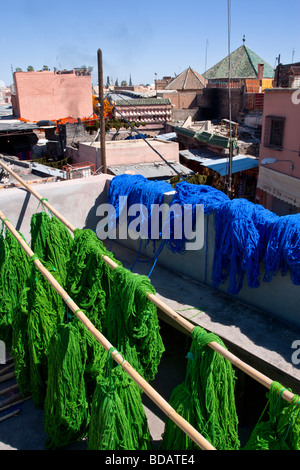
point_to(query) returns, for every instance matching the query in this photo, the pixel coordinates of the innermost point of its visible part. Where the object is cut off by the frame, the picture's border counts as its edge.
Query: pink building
(278, 185)
(49, 95)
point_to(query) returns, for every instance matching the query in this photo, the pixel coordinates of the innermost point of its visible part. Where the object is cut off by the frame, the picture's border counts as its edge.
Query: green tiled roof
(243, 64)
(214, 139)
(143, 102)
(184, 131)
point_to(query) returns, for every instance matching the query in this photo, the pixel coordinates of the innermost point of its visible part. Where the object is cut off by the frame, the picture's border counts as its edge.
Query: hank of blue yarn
(140, 191)
(248, 237)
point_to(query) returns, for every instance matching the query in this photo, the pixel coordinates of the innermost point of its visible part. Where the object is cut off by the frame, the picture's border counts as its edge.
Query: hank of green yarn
(131, 322)
(45, 311)
(89, 278)
(118, 420)
(66, 414)
(52, 242)
(281, 431)
(206, 398)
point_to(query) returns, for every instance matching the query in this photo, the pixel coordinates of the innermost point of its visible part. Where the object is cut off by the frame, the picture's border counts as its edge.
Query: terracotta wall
(52, 96)
(125, 152)
(278, 102)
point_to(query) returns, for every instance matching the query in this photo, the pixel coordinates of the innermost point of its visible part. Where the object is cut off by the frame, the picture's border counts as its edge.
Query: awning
(239, 163)
(284, 187)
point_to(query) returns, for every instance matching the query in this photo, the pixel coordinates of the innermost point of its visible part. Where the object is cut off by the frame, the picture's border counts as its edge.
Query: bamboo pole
(18, 402)
(39, 197)
(4, 391)
(5, 369)
(6, 377)
(143, 384)
(186, 324)
(11, 400)
(9, 415)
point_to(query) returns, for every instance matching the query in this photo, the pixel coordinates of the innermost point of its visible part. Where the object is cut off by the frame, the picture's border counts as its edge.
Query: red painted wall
(52, 96)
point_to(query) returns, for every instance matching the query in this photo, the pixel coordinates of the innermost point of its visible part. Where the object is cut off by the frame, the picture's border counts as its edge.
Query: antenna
(206, 54)
(229, 189)
(293, 54)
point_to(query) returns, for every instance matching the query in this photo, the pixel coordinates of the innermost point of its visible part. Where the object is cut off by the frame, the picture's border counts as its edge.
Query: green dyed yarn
(46, 310)
(66, 413)
(131, 322)
(173, 437)
(210, 400)
(95, 362)
(118, 421)
(282, 430)
(8, 292)
(89, 277)
(20, 348)
(51, 242)
(14, 270)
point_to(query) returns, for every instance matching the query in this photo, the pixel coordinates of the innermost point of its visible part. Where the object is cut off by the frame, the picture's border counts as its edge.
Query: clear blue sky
(142, 38)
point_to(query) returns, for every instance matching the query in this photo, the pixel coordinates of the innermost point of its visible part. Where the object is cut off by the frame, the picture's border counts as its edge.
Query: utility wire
(229, 101)
(145, 140)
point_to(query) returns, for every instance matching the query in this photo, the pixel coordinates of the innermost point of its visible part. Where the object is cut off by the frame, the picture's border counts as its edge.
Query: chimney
(260, 71)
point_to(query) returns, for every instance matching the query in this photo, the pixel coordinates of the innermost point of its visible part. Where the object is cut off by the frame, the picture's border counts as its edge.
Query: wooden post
(102, 118)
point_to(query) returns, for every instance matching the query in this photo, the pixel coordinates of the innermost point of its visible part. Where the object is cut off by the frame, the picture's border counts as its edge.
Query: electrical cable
(145, 140)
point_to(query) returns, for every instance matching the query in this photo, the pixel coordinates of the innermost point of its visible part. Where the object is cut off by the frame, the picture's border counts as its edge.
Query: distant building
(244, 65)
(46, 95)
(154, 112)
(278, 185)
(183, 89)
(250, 75)
(287, 76)
(5, 94)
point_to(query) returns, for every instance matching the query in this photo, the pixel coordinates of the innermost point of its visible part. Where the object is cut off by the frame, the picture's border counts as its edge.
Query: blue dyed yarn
(193, 194)
(237, 246)
(246, 234)
(283, 249)
(187, 193)
(138, 190)
(264, 221)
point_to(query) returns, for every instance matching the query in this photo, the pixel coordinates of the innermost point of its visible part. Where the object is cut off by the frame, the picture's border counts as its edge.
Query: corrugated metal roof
(151, 170)
(239, 163)
(167, 137)
(199, 155)
(14, 125)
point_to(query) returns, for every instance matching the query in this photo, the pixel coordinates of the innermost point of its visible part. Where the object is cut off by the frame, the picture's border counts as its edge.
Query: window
(274, 132)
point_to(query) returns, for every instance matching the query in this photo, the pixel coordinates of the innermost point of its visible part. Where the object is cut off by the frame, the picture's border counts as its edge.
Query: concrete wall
(78, 200)
(125, 152)
(51, 96)
(278, 298)
(75, 199)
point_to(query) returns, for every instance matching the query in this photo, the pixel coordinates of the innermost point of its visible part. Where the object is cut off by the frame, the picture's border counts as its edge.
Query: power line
(145, 140)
